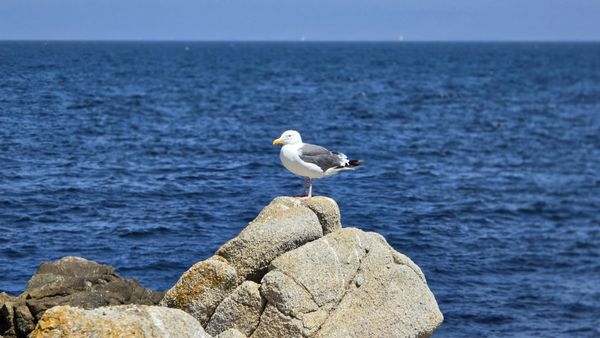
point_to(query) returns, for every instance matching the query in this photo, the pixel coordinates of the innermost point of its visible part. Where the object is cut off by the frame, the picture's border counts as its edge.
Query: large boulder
(118, 321)
(293, 272)
(69, 281)
(285, 224)
(347, 284)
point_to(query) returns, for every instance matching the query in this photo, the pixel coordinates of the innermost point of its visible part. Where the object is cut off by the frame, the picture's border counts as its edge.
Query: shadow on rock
(70, 281)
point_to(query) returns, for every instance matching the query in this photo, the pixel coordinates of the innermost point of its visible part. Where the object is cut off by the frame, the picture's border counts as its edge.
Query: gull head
(288, 137)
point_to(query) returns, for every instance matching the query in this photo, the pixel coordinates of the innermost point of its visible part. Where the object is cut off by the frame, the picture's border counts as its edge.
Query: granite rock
(283, 225)
(327, 212)
(69, 281)
(241, 310)
(348, 283)
(294, 272)
(118, 321)
(202, 288)
(231, 333)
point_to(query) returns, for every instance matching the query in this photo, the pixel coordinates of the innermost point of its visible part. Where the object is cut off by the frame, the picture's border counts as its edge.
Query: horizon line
(307, 40)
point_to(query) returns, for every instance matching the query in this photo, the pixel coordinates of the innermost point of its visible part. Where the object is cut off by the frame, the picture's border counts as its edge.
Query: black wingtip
(354, 163)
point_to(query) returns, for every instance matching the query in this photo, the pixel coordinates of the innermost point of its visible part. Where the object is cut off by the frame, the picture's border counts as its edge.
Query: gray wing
(320, 156)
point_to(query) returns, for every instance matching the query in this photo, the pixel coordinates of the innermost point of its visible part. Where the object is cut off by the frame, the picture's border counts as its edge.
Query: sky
(411, 20)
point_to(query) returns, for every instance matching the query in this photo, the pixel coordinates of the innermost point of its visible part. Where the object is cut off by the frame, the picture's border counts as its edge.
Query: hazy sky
(293, 19)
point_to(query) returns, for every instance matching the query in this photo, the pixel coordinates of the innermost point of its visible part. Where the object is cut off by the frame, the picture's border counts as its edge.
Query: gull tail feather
(349, 165)
(354, 163)
(346, 165)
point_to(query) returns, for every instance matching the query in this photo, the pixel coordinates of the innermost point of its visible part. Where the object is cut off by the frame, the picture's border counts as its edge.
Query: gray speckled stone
(347, 284)
(231, 333)
(327, 212)
(241, 310)
(285, 224)
(392, 299)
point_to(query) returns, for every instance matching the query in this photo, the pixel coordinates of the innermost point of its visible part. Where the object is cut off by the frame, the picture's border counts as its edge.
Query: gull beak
(277, 141)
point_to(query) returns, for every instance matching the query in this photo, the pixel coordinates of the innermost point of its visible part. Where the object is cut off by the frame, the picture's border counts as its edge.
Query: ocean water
(482, 162)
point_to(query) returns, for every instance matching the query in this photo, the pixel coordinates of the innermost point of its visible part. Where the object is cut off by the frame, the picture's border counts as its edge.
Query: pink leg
(309, 189)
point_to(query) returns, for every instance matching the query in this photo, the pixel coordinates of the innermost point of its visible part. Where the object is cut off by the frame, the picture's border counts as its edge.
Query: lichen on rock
(118, 321)
(202, 288)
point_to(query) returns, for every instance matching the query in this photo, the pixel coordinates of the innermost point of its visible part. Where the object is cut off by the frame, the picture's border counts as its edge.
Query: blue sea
(482, 162)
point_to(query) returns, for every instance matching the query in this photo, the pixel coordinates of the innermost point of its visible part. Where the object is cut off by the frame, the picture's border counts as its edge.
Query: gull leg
(304, 187)
(303, 194)
(310, 180)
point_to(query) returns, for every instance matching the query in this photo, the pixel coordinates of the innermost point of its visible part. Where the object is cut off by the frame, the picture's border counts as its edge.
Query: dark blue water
(482, 162)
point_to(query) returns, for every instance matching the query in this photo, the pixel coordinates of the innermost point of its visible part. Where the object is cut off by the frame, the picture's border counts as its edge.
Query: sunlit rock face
(118, 321)
(294, 272)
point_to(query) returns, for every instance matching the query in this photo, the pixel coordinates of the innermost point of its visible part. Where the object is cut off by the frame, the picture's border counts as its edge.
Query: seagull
(309, 160)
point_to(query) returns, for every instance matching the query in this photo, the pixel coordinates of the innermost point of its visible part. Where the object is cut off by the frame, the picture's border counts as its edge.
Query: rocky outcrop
(293, 272)
(118, 321)
(69, 281)
(285, 224)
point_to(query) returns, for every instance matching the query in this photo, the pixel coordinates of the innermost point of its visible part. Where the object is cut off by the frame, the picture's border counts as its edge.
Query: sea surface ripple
(482, 162)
